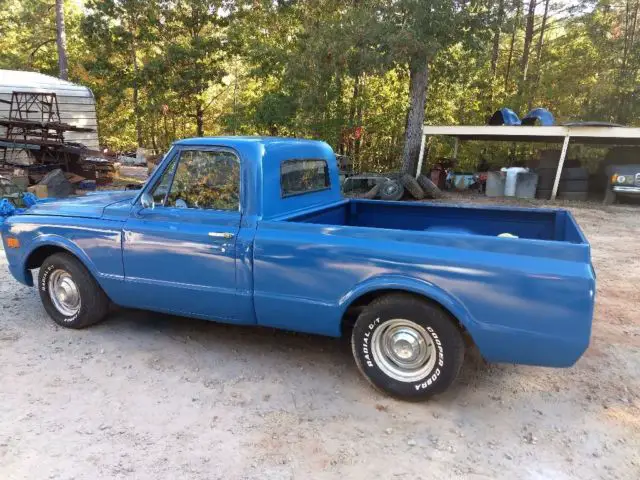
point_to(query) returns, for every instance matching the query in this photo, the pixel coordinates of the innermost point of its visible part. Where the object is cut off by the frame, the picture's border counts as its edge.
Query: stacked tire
(396, 186)
(574, 183)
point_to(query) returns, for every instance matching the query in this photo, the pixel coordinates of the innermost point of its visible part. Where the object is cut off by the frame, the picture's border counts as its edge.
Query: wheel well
(39, 255)
(355, 308)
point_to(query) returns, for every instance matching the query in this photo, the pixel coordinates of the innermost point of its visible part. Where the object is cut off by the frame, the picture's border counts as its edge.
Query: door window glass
(206, 179)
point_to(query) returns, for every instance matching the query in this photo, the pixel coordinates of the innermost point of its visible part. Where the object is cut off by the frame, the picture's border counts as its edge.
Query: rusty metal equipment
(34, 125)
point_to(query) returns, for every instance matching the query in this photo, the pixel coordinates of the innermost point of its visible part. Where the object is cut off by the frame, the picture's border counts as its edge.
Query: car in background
(623, 180)
(621, 171)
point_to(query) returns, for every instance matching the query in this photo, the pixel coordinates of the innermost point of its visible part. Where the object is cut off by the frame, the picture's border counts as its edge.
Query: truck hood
(91, 205)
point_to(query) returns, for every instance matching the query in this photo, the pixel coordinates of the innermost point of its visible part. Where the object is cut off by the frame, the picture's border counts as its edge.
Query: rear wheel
(407, 347)
(69, 293)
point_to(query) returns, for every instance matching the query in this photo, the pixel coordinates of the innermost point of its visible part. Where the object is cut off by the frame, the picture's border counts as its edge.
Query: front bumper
(626, 190)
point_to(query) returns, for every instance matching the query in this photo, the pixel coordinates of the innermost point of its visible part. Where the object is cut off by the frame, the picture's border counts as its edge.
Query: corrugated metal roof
(11, 80)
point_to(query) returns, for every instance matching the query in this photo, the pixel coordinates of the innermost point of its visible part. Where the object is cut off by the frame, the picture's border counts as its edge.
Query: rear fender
(412, 285)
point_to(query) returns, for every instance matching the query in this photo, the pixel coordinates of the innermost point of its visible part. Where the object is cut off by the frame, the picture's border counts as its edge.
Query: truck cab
(205, 202)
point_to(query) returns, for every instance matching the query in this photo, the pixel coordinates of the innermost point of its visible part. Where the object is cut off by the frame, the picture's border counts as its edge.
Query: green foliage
(332, 69)
(28, 35)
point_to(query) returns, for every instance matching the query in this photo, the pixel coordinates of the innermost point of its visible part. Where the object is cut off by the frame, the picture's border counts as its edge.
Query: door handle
(226, 235)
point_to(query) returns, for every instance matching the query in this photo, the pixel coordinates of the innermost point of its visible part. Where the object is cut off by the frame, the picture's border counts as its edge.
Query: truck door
(179, 250)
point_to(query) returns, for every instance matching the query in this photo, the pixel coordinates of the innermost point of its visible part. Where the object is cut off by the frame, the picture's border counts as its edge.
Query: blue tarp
(7, 208)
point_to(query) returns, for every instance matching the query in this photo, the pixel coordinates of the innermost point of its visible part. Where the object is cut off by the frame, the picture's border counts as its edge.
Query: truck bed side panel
(518, 308)
(528, 223)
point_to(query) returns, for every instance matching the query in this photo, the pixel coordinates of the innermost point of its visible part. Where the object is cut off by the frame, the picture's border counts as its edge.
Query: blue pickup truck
(255, 231)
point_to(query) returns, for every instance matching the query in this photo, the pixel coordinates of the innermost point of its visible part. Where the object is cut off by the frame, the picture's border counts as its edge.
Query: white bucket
(512, 180)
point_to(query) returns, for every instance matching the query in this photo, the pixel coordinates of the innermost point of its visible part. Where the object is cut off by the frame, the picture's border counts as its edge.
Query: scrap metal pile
(34, 127)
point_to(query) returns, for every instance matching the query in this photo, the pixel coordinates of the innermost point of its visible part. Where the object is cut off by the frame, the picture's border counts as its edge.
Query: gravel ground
(149, 396)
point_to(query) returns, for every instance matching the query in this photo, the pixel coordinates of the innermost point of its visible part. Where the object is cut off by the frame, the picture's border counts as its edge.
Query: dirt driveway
(148, 396)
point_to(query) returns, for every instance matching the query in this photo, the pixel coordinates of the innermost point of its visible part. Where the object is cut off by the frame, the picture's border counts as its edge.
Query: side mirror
(146, 200)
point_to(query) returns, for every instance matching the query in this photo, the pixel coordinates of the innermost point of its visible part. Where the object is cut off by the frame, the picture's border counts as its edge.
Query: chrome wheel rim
(64, 293)
(403, 350)
(391, 188)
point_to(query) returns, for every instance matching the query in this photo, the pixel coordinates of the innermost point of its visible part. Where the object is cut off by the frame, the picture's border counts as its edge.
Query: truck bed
(549, 224)
(527, 299)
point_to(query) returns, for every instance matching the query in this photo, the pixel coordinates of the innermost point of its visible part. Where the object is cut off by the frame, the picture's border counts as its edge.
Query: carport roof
(588, 134)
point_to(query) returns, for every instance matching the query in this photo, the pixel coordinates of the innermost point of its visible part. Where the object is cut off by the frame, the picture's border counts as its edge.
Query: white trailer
(76, 105)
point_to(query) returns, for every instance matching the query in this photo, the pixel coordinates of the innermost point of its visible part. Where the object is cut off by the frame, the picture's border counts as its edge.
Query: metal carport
(585, 134)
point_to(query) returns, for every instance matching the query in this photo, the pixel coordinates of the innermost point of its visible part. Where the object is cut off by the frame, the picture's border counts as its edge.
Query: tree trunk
(61, 40)
(166, 141)
(136, 103)
(626, 35)
(359, 115)
(154, 143)
(539, 53)
(355, 98)
(199, 120)
(516, 24)
(419, 78)
(524, 61)
(634, 24)
(496, 38)
(626, 71)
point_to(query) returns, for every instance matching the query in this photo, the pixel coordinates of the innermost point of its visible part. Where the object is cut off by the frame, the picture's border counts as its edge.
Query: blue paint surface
(298, 262)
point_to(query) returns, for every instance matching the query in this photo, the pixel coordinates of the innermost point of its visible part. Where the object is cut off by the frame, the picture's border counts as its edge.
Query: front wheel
(407, 347)
(69, 293)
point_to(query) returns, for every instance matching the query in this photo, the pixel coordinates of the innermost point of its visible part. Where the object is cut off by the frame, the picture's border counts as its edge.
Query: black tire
(430, 189)
(412, 186)
(573, 186)
(546, 176)
(579, 196)
(609, 197)
(551, 159)
(543, 194)
(566, 185)
(93, 303)
(372, 193)
(391, 190)
(443, 334)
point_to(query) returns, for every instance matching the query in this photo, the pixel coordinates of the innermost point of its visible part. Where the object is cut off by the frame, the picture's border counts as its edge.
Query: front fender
(413, 285)
(51, 240)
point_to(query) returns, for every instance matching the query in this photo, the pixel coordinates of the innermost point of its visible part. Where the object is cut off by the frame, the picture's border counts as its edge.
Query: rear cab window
(300, 176)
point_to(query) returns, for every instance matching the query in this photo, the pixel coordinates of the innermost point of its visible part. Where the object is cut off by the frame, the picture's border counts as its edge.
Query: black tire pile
(395, 187)
(574, 183)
